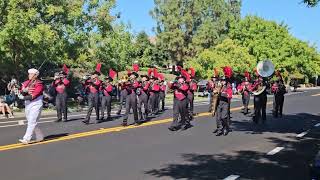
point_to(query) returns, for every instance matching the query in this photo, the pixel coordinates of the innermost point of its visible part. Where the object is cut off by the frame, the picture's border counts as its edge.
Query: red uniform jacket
(193, 87)
(35, 88)
(154, 88)
(163, 88)
(244, 91)
(226, 93)
(60, 85)
(107, 89)
(93, 85)
(180, 91)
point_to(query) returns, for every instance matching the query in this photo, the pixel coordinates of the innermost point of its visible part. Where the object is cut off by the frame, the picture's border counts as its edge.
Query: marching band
(145, 94)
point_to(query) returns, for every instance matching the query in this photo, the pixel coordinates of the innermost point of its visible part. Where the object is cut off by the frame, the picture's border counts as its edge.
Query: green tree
(186, 27)
(269, 40)
(311, 3)
(227, 53)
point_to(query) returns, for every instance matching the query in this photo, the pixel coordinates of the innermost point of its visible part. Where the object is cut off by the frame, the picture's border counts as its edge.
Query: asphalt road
(280, 149)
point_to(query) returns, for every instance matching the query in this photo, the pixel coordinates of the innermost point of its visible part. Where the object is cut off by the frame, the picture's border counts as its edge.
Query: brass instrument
(215, 97)
(123, 79)
(264, 69)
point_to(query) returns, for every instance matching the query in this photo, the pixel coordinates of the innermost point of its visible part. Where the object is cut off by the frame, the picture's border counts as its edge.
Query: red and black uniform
(142, 92)
(122, 87)
(93, 86)
(193, 87)
(210, 87)
(180, 103)
(244, 88)
(260, 101)
(154, 90)
(222, 117)
(278, 89)
(32, 90)
(106, 99)
(162, 95)
(60, 86)
(131, 101)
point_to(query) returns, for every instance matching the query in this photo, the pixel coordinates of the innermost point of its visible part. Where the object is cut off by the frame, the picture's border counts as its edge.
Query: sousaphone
(265, 69)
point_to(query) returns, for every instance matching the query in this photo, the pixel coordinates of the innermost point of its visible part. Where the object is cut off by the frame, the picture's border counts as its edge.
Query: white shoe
(23, 141)
(39, 140)
(11, 116)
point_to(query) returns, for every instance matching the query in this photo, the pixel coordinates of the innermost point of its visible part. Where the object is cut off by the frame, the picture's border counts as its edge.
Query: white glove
(20, 96)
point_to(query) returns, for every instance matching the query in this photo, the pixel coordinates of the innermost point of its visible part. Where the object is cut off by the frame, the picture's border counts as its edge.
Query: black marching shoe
(215, 131)
(219, 133)
(187, 126)
(172, 128)
(58, 120)
(119, 112)
(85, 122)
(226, 132)
(124, 124)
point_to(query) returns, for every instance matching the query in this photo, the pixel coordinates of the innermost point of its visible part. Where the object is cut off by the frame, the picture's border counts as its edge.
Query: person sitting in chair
(4, 107)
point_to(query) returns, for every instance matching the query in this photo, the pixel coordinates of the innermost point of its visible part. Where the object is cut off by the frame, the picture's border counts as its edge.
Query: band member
(93, 85)
(222, 117)
(31, 93)
(106, 97)
(211, 86)
(180, 103)
(154, 90)
(278, 89)
(123, 93)
(162, 93)
(193, 87)
(131, 99)
(260, 100)
(142, 92)
(60, 84)
(244, 89)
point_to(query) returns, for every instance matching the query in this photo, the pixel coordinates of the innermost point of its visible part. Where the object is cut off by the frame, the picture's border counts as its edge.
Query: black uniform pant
(190, 104)
(278, 101)
(143, 101)
(93, 101)
(131, 102)
(123, 97)
(105, 104)
(260, 105)
(179, 110)
(153, 102)
(222, 117)
(162, 97)
(61, 106)
(245, 102)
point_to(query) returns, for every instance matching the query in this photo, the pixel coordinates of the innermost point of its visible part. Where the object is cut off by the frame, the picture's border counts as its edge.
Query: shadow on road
(294, 123)
(291, 163)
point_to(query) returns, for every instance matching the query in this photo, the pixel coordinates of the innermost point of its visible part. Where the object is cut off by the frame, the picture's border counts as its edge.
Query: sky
(303, 22)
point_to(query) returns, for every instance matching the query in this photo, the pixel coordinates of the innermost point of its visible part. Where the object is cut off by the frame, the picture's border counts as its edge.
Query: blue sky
(303, 22)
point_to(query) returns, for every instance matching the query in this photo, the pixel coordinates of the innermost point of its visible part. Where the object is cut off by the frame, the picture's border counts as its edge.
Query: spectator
(13, 87)
(4, 107)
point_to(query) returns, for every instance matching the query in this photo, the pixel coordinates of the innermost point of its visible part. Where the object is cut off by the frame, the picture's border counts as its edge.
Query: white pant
(33, 112)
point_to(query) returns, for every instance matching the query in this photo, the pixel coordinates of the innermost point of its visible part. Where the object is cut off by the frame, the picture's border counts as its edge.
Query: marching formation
(145, 94)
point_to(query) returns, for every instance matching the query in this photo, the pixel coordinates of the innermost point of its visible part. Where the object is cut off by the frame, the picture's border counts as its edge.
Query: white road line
(275, 151)
(21, 122)
(317, 125)
(302, 134)
(232, 177)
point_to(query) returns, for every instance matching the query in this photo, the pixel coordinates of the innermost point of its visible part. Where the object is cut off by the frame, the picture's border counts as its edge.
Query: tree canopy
(184, 27)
